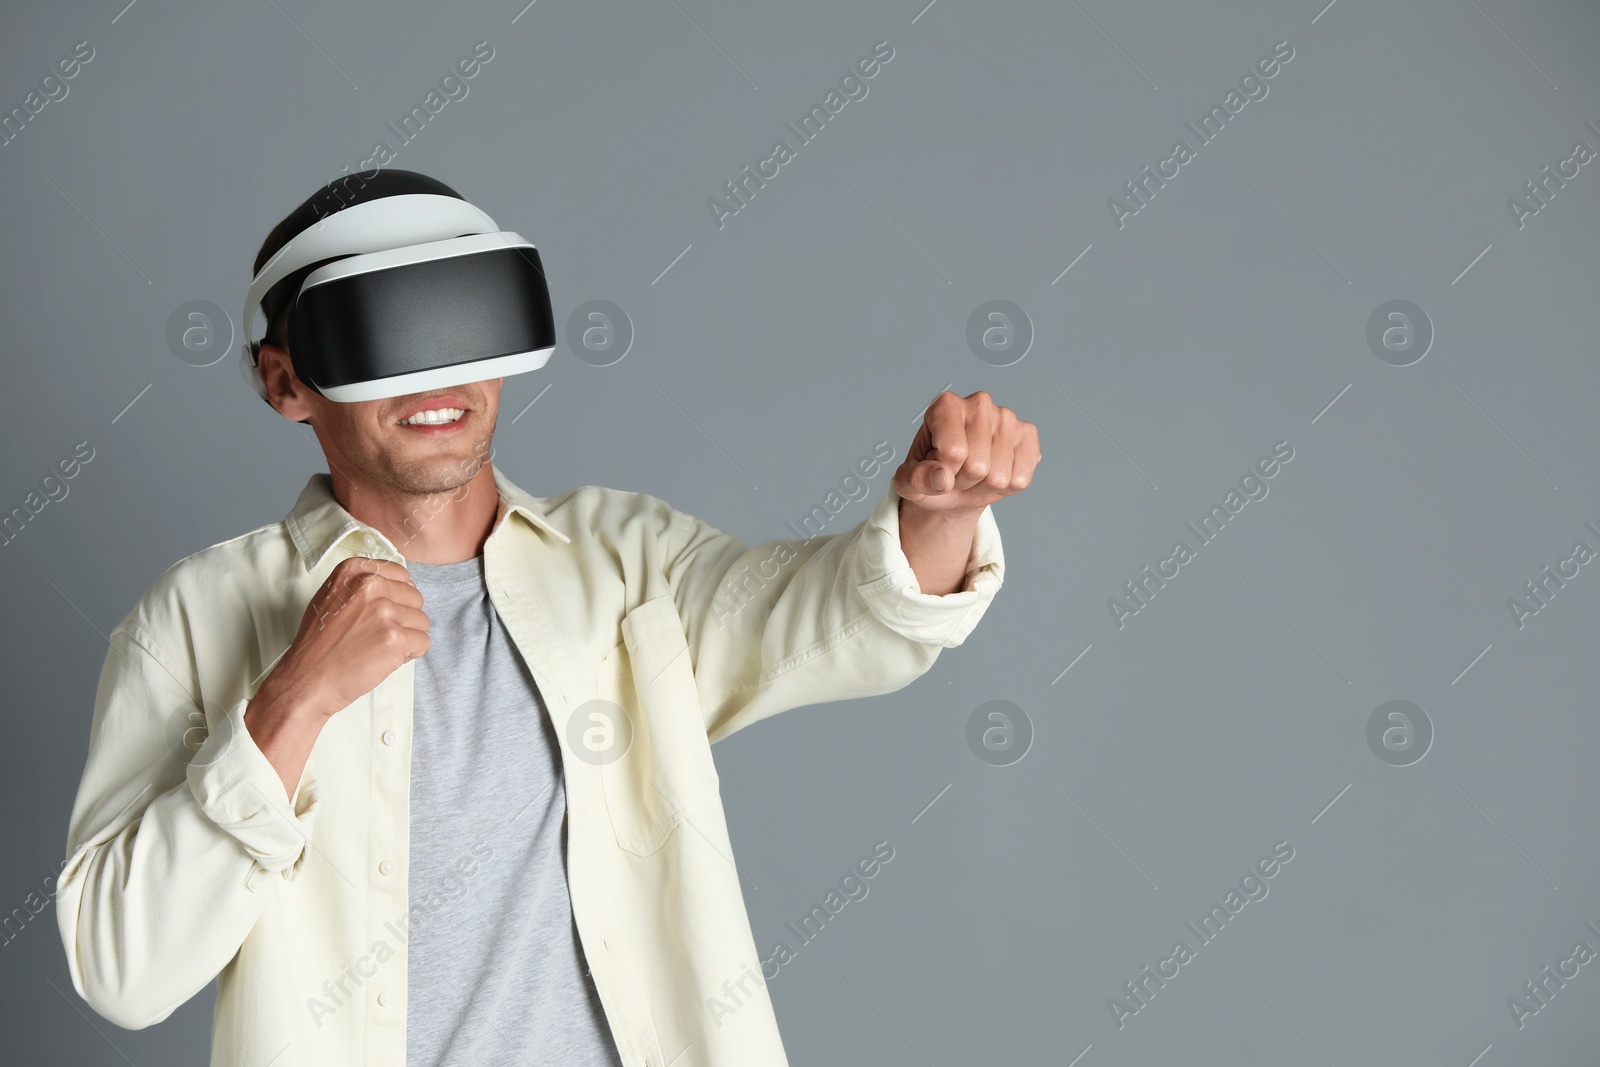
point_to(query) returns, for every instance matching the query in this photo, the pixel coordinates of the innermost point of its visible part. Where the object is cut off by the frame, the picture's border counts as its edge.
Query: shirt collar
(318, 522)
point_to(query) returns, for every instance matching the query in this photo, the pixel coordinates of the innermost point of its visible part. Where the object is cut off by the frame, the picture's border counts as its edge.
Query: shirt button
(390, 737)
(386, 867)
(385, 999)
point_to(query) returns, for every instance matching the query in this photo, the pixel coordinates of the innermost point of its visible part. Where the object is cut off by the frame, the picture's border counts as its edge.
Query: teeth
(433, 417)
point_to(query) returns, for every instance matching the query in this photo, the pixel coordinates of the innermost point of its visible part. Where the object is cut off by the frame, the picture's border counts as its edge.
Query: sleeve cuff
(883, 576)
(240, 791)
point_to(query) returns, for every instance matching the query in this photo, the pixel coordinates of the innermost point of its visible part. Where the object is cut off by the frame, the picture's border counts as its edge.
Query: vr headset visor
(414, 292)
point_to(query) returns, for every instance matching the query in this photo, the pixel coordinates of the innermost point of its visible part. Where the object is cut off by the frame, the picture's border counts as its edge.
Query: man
(422, 773)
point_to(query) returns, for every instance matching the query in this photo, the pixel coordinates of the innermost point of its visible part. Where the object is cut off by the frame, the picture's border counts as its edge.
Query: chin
(437, 474)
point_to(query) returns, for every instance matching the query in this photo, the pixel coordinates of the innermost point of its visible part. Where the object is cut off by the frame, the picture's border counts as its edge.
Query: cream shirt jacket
(186, 860)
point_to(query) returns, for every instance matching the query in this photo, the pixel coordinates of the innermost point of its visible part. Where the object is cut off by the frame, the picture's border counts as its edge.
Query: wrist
(938, 545)
(912, 512)
(278, 704)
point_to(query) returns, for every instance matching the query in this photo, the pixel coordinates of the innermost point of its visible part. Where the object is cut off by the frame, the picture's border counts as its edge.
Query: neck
(445, 527)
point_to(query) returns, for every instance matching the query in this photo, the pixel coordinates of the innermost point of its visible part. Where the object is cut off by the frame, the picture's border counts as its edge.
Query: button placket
(387, 884)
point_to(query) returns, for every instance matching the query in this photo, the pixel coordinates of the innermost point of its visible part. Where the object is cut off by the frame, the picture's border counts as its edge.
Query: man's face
(387, 444)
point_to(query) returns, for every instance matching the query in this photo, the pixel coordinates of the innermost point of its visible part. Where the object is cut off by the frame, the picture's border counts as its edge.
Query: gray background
(1225, 317)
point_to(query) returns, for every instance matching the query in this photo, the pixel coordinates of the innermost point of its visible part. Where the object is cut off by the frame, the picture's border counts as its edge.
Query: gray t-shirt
(496, 972)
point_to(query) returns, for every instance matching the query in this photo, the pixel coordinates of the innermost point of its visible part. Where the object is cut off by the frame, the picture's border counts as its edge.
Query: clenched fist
(362, 625)
(968, 454)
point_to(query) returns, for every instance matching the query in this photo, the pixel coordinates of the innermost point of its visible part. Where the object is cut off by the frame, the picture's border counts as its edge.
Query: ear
(285, 391)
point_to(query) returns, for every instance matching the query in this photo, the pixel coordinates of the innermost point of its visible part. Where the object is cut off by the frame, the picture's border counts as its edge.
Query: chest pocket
(661, 770)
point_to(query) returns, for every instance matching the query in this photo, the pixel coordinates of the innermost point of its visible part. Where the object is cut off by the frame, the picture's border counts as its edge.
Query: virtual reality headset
(414, 292)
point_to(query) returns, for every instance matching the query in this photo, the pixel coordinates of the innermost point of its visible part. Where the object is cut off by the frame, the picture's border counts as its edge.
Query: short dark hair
(345, 191)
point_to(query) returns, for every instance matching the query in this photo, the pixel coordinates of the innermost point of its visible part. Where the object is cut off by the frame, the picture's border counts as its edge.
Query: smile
(434, 417)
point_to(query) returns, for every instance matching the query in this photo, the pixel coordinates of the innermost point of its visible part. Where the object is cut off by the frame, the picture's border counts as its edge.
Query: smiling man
(455, 801)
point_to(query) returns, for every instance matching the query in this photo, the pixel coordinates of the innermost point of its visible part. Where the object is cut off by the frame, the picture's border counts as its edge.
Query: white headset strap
(375, 226)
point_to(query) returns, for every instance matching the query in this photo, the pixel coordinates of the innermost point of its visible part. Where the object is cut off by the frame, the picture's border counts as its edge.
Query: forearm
(152, 913)
(938, 545)
(154, 902)
(284, 725)
(169, 848)
(783, 624)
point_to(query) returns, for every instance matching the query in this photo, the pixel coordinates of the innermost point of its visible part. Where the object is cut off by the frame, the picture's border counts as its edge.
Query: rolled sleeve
(239, 790)
(881, 573)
